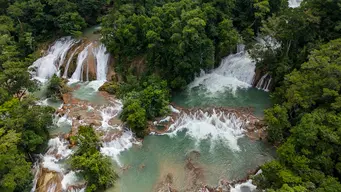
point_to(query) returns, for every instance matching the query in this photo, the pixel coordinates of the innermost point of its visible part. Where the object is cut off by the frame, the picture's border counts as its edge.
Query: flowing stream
(199, 148)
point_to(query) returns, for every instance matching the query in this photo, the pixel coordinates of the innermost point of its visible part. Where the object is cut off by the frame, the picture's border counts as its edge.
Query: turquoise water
(88, 91)
(199, 97)
(145, 167)
(161, 155)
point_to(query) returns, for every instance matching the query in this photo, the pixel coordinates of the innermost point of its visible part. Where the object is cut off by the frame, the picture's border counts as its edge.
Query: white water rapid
(235, 71)
(215, 126)
(49, 64)
(116, 146)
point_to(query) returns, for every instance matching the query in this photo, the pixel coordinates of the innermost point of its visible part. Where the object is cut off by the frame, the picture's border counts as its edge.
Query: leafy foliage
(307, 122)
(56, 87)
(148, 100)
(15, 171)
(299, 31)
(178, 38)
(96, 168)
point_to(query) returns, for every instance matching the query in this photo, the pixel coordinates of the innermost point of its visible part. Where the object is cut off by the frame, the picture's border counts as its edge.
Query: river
(199, 149)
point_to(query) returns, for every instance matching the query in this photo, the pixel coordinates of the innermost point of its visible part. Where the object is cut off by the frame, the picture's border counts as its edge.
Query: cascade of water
(36, 170)
(268, 84)
(52, 188)
(216, 126)
(115, 147)
(108, 113)
(261, 82)
(264, 82)
(69, 61)
(57, 148)
(294, 3)
(69, 179)
(48, 65)
(78, 74)
(102, 58)
(235, 71)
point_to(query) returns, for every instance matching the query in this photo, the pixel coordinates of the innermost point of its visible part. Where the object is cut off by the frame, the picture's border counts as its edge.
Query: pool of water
(88, 91)
(199, 97)
(148, 164)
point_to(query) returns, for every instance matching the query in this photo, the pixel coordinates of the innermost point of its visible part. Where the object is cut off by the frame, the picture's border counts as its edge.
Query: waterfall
(69, 61)
(294, 3)
(78, 74)
(102, 58)
(264, 82)
(216, 126)
(48, 65)
(235, 71)
(56, 57)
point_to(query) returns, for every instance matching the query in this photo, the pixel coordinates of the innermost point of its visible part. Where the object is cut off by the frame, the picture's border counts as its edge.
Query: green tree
(14, 170)
(96, 168)
(134, 114)
(176, 39)
(56, 87)
(307, 122)
(71, 23)
(144, 101)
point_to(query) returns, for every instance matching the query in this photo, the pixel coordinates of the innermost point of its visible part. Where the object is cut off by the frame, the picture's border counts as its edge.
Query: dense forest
(159, 47)
(24, 25)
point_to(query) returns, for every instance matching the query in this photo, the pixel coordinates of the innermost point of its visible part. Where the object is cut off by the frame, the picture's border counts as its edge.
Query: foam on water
(45, 67)
(118, 145)
(57, 149)
(64, 120)
(239, 187)
(68, 179)
(108, 113)
(235, 71)
(217, 126)
(51, 163)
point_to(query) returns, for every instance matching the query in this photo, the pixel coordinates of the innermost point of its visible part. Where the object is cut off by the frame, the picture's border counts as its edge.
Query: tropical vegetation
(96, 168)
(159, 47)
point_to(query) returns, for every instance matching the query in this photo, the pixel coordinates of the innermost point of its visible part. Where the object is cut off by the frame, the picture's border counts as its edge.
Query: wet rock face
(84, 112)
(48, 179)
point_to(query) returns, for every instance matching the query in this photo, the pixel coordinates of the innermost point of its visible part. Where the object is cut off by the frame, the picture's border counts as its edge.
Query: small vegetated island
(170, 95)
